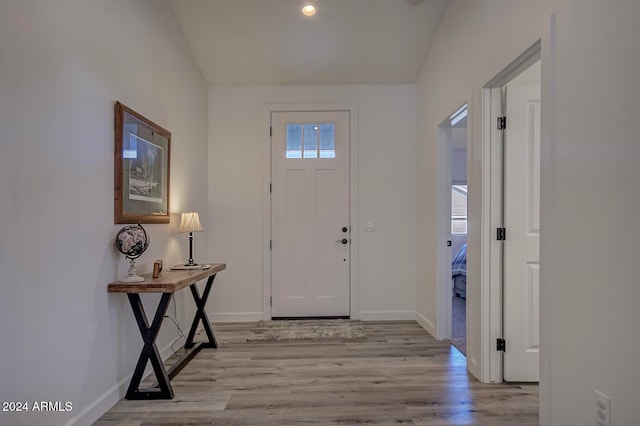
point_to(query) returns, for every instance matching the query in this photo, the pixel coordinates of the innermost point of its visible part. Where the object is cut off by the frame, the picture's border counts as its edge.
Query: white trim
(443, 252)
(486, 240)
(386, 315)
(491, 307)
(353, 208)
(472, 363)
(353, 197)
(517, 66)
(266, 215)
(236, 317)
(547, 177)
(426, 324)
(102, 404)
(114, 394)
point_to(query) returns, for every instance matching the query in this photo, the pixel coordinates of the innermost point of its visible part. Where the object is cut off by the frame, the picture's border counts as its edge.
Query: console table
(167, 283)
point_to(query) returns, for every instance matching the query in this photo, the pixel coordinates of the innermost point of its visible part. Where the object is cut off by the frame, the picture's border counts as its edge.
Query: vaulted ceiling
(346, 42)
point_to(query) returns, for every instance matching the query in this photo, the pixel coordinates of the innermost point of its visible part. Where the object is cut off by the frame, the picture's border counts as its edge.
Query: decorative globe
(132, 241)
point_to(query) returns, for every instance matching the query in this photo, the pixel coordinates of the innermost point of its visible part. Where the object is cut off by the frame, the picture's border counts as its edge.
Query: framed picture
(142, 159)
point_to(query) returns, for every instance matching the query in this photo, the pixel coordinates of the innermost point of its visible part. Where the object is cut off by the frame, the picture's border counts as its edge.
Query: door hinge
(270, 188)
(502, 123)
(270, 244)
(270, 131)
(501, 234)
(270, 301)
(448, 243)
(501, 345)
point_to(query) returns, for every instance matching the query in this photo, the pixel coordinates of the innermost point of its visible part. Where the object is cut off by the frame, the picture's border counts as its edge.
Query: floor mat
(285, 331)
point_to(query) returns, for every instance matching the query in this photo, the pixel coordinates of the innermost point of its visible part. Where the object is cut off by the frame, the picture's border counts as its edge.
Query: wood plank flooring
(399, 375)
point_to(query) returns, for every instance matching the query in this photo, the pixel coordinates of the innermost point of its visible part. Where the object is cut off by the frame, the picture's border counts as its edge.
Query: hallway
(399, 375)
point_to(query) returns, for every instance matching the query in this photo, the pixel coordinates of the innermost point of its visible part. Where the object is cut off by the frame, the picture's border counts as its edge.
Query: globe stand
(132, 276)
(132, 241)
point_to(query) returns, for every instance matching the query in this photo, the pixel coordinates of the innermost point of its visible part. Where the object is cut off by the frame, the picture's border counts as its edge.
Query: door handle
(343, 241)
(345, 229)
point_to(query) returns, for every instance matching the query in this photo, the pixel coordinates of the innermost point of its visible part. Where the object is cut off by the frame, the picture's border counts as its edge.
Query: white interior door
(310, 214)
(522, 222)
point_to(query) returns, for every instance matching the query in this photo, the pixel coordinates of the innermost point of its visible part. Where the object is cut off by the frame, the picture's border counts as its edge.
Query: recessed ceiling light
(309, 9)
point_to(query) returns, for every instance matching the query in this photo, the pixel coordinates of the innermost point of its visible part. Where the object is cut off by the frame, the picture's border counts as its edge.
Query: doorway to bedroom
(453, 226)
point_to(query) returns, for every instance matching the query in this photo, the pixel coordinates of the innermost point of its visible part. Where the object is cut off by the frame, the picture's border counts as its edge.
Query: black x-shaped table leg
(201, 315)
(149, 352)
(162, 388)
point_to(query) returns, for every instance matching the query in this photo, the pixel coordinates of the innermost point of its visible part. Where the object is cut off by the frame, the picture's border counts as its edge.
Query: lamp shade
(190, 222)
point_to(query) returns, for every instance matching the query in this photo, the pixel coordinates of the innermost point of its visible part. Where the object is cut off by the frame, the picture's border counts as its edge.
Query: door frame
(444, 254)
(491, 306)
(443, 330)
(352, 109)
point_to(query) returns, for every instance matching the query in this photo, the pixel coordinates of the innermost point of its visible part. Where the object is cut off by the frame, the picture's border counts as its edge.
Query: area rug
(300, 330)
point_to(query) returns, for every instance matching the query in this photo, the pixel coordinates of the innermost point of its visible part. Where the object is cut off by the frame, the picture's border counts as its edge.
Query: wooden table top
(168, 282)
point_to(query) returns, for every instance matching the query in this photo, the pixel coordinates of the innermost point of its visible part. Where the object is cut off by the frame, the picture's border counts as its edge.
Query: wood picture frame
(142, 166)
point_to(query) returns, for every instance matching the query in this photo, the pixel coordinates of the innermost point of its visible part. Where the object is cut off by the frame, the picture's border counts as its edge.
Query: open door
(521, 282)
(452, 228)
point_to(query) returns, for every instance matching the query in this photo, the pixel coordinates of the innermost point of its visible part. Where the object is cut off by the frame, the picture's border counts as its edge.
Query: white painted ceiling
(346, 42)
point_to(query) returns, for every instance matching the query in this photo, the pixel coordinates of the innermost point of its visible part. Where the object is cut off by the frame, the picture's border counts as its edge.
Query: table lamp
(190, 222)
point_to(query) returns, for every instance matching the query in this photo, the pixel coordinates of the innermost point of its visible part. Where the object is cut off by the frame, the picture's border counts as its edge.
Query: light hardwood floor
(399, 375)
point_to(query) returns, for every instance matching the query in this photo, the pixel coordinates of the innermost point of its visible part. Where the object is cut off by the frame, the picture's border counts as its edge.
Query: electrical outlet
(603, 409)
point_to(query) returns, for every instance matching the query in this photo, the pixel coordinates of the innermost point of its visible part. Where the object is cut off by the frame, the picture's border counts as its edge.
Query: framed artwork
(142, 159)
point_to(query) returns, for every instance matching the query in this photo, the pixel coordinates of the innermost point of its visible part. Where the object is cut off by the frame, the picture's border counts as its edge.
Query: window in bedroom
(458, 209)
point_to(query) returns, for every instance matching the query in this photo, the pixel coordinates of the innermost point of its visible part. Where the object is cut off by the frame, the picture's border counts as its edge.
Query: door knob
(343, 241)
(345, 229)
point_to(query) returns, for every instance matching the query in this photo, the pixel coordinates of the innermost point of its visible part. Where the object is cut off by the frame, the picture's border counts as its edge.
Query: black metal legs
(201, 315)
(162, 388)
(149, 351)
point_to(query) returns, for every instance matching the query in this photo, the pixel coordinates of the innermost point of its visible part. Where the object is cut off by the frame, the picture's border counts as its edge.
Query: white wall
(67, 62)
(589, 288)
(466, 53)
(7, 234)
(386, 167)
(593, 250)
(459, 165)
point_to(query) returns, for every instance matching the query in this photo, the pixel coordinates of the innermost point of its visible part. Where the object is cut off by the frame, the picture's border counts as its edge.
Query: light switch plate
(603, 409)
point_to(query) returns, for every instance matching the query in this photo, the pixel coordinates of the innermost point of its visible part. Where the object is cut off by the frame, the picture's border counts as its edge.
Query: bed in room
(459, 272)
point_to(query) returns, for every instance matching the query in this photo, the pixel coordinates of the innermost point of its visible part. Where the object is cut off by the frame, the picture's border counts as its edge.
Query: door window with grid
(311, 140)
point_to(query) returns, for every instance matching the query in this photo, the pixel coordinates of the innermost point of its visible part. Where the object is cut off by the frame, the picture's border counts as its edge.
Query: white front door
(522, 222)
(310, 214)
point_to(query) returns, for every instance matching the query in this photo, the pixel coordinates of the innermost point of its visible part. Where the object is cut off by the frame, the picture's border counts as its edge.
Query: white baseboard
(236, 317)
(362, 315)
(109, 398)
(474, 362)
(386, 315)
(426, 324)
